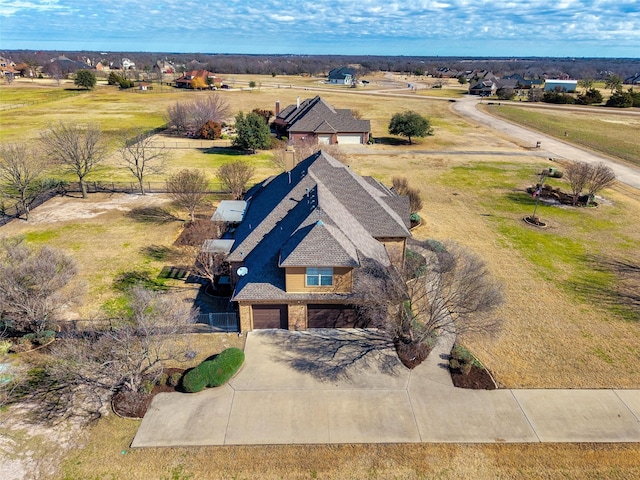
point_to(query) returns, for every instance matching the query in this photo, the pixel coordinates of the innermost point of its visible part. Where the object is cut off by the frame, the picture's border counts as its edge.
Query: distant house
(342, 76)
(316, 121)
(301, 239)
(632, 80)
(185, 81)
(486, 88)
(555, 85)
(128, 64)
(525, 83)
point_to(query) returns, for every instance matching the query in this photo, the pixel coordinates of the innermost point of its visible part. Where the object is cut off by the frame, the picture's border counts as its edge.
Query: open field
(565, 324)
(606, 132)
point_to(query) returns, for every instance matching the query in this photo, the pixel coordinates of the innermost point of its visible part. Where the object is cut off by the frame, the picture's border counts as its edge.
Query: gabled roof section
(319, 245)
(340, 73)
(317, 116)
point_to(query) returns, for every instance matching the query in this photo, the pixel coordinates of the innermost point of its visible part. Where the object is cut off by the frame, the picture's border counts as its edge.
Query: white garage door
(349, 139)
(324, 139)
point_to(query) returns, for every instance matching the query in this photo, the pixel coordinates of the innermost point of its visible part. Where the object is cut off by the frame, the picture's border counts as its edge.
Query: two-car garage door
(350, 139)
(331, 316)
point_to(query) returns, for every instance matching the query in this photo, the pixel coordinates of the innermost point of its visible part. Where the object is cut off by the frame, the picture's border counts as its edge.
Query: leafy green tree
(589, 97)
(586, 83)
(252, 132)
(505, 93)
(462, 80)
(613, 82)
(85, 79)
(252, 84)
(620, 100)
(410, 124)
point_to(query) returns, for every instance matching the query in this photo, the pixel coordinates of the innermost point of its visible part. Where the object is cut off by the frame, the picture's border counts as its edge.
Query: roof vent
(320, 223)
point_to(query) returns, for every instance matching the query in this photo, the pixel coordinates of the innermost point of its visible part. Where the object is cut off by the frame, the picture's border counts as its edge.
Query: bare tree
(87, 368)
(235, 176)
(210, 265)
(578, 174)
(602, 177)
(147, 339)
(32, 284)
(178, 117)
(78, 149)
(188, 189)
(213, 107)
(441, 289)
(141, 157)
(401, 187)
(20, 175)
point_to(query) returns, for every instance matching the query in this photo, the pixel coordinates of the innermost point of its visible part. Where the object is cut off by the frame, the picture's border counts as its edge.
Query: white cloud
(222, 25)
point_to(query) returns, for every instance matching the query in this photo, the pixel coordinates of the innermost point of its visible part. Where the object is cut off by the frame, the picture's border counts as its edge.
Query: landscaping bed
(135, 404)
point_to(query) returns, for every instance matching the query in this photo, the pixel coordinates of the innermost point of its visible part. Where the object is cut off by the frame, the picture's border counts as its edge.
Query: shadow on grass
(390, 141)
(155, 215)
(231, 151)
(332, 354)
(621, 296)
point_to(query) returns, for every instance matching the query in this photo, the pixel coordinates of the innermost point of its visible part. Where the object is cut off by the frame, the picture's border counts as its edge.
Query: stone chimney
(289, 158)
(277, 107)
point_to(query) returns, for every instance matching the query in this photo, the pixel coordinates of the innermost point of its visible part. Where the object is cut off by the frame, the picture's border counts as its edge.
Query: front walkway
(347, 386)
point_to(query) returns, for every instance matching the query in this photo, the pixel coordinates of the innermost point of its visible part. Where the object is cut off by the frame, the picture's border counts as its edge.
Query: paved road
(306, 388)
(552, 147)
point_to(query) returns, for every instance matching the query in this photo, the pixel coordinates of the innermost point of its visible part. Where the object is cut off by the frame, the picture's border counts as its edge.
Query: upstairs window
(319, 277)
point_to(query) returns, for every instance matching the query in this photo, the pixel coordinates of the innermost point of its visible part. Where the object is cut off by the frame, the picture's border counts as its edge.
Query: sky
(475, 28)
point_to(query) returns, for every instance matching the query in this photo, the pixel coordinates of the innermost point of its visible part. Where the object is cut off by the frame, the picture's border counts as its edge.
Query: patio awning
(231, 211)
(217, 246)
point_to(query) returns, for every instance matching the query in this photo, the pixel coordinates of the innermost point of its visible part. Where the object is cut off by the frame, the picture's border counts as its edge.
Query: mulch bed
(135, 404)
(411, 354)
(477, 379)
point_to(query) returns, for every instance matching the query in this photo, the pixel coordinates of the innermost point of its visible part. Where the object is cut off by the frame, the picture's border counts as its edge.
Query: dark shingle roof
(317, 116)
(319, 214)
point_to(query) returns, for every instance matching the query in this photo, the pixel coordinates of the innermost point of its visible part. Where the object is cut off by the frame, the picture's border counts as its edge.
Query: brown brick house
(316, 120)
(304, 233)
(185, 81)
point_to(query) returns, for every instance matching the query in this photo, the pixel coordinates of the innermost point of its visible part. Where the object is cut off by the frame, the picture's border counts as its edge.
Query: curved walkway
(347, 386)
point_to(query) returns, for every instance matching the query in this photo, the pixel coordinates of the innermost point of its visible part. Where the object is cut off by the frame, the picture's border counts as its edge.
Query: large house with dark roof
(316, 121)
(304, 234)
(342, 76)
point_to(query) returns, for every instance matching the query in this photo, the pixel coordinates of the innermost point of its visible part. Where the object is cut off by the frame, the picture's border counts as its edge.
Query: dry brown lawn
(108, 456)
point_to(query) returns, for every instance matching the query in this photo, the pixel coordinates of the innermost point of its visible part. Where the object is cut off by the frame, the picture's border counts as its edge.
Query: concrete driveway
(347, 386)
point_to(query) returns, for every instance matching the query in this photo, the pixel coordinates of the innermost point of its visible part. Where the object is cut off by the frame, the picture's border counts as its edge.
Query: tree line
(532, 67)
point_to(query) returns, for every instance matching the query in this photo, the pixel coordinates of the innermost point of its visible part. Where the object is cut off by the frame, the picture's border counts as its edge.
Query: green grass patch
(611, 134)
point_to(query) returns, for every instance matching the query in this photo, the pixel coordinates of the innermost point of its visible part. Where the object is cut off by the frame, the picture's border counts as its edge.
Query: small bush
(461, 359)
(174, 379)
(162, 379)
(213, 373)
(5, 346)
(194, 380)
(24, 344)
(220, 370)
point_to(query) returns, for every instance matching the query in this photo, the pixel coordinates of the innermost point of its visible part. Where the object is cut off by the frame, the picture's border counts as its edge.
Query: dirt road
(554, 148)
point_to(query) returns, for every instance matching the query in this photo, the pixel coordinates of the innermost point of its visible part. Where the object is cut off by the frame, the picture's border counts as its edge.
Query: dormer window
(319, 277)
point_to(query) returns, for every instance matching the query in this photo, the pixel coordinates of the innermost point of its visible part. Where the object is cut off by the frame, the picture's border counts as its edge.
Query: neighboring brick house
(303, 236)
(316, 120)
(207, 77)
